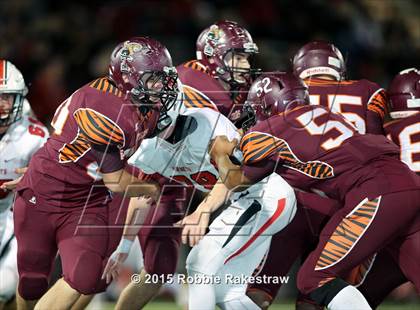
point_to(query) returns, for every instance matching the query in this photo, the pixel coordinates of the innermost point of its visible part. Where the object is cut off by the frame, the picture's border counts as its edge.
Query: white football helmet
(11, 82)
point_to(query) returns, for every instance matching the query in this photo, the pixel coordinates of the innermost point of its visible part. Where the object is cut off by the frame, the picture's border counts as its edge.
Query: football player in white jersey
(20, 137)
(239, 237)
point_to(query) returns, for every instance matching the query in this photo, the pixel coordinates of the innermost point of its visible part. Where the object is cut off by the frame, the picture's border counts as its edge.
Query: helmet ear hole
(280, 84)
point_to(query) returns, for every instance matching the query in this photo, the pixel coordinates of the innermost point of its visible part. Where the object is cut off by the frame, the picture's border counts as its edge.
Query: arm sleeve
(203, 91)
(109, 159)
(258, 171)
(98, 129)
(257, 146)
(377, 109)
(374, 123)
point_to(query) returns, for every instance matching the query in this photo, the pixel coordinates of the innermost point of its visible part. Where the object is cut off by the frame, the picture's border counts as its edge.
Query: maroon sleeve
(261, 150)
(109, 159)
(377, 109)
(258, 171)
(374, 123)
(202, 90)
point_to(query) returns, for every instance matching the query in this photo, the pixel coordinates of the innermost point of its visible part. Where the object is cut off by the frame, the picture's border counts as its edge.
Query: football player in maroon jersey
(322, 67)
(363, 103)
(313, 148)
(218, 79)
(63, 197)
(221, 75)
(404, 128)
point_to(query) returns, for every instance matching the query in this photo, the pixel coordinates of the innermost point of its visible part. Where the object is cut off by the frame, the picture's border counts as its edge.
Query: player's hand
(115, 261)
(144, 201)
(11, 185)
(112, 268)
(154, 196)
(194, 226)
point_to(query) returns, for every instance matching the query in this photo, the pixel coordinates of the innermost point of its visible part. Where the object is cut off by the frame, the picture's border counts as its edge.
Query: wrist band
(125, 245)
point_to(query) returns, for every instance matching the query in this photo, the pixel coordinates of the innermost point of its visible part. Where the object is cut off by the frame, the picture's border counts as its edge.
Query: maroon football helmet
(274, 93)
(216, 42)
(404, 93)
(319, 58)
(142, 68)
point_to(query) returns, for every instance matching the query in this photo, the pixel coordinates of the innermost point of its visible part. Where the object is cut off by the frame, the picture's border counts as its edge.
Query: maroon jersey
(362, 102)
(93, 127)
(201, 89)
(405, 132)
(311, 147)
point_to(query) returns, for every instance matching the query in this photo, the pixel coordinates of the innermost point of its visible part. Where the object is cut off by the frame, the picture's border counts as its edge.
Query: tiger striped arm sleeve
(98, 129)
(105, 137)
(257, 146)
(193, 98)
(258, 149)
(378, 103)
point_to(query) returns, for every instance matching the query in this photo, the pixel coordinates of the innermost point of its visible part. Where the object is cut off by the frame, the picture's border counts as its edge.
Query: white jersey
(188, 160)
(26, 109)
(17, 146)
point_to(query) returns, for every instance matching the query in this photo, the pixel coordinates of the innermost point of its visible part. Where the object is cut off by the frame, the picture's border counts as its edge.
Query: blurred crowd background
(61, 45)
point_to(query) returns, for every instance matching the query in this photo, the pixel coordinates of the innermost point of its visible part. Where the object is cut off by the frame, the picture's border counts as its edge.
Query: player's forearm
(142, 188)
(216, 198)
(123, 182)
(136, 212)
(231, 175)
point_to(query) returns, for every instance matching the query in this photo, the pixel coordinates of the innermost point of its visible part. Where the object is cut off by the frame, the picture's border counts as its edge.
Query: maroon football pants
(80, 236)
(288, 245)
(381, 279)
(355, 233)
(159, 239)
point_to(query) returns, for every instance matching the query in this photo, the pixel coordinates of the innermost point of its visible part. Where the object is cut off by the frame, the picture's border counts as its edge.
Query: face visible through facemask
(154, 86)
(239, 65)
(6, 106)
